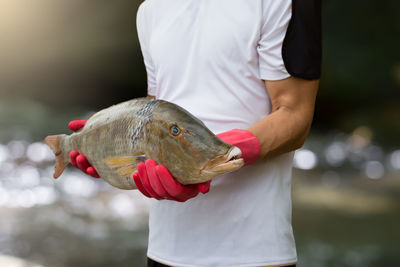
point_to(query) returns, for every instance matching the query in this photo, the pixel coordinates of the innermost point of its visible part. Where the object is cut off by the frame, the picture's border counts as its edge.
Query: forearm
(286, 127)
(280, 132)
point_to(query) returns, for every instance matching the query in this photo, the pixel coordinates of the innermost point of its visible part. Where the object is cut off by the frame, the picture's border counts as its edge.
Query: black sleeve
(302, 46)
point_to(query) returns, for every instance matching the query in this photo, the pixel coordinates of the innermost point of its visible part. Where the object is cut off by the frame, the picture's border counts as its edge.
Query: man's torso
(205, 59)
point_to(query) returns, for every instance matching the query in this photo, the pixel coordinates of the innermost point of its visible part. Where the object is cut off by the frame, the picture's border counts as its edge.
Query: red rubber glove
(75, 158)
(245, 141)
(155, 181)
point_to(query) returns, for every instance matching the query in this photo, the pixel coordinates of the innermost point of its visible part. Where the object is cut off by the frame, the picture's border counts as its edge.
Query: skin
(287, 126)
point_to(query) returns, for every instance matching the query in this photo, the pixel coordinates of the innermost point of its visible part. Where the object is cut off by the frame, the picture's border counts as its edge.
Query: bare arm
(287, 126)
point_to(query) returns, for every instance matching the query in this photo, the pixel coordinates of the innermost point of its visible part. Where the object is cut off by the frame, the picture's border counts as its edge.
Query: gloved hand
(75, 158)
(155, 181)
(245, 141)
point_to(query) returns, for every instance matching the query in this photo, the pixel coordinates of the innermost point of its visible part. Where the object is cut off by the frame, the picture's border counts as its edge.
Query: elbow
(299, 143)
(301, 137)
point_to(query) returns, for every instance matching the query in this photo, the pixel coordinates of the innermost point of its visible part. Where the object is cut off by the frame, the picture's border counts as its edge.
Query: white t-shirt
(211, 57)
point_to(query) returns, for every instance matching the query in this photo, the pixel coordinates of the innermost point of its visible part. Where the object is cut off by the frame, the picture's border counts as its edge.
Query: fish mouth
(229, 162)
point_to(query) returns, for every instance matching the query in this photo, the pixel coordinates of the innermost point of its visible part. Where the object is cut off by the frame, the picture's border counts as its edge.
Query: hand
(245, 141)
(155, 181)
(75, 158)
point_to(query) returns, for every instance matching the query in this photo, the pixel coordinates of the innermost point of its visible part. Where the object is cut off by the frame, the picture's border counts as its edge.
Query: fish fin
(124, 166)
(53, 141)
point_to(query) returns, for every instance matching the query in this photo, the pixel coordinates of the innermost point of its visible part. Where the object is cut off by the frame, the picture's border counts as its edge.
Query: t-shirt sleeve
(275, 19)
(142, 24)
(302, 47)
(291, 40)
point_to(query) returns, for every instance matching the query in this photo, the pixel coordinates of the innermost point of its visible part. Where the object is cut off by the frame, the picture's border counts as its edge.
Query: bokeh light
(305, 159)
(374, 169)
(38, 152)
(17, 148)
(336, 153)
(394, 159)
(4, 154)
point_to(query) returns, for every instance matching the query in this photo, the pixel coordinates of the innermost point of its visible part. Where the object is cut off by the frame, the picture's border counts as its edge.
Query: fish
(116, 139)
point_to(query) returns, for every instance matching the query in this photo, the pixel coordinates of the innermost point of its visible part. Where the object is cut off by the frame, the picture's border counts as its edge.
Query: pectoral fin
(124, 166)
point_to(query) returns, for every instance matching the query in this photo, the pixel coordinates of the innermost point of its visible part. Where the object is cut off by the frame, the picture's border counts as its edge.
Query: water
(76, 221)
(351, 222)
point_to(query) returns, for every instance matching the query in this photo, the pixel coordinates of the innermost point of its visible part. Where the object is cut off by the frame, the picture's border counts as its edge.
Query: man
(249, 70)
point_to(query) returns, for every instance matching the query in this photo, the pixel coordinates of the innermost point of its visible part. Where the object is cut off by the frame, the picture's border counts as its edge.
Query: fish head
(190, 151)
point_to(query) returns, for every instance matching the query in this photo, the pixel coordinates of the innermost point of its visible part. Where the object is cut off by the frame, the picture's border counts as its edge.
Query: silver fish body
(116, 139)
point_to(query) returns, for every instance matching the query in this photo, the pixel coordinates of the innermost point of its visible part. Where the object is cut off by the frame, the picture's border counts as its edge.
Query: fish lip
(234, 154)
(229, 162)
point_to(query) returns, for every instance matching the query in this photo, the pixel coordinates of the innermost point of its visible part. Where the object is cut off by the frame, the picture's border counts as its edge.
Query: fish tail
(54, 142)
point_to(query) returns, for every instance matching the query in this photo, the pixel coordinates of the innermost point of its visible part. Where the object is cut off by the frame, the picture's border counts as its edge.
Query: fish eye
(174, 130)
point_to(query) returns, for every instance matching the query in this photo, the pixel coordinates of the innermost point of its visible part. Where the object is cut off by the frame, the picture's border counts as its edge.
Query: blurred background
(62, 60)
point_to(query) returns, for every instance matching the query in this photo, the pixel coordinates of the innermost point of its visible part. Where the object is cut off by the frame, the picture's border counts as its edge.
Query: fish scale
(116, 139)
(114, 142)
